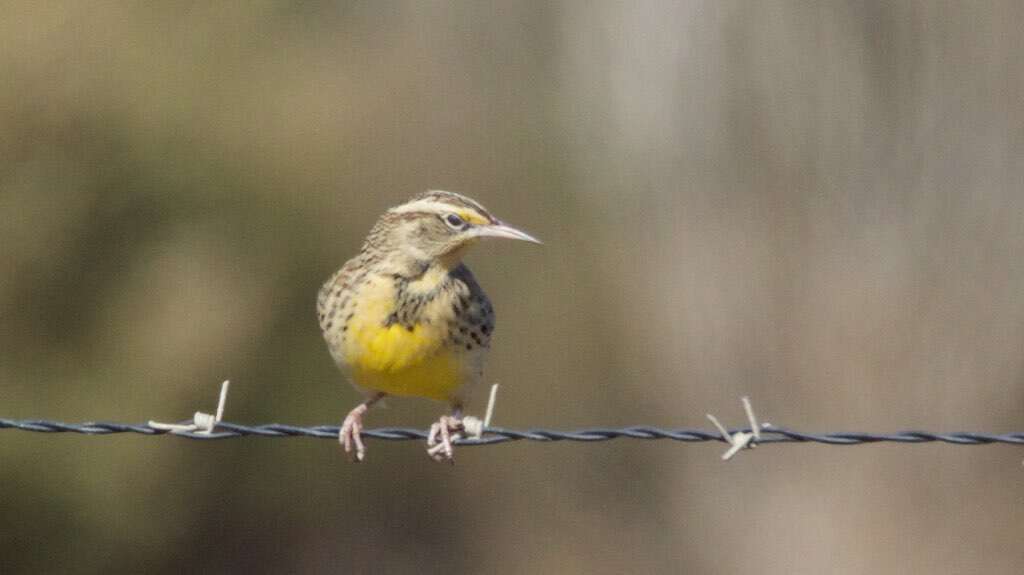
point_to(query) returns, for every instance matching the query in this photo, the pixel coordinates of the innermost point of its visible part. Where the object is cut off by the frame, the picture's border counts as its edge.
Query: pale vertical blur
(819, 205)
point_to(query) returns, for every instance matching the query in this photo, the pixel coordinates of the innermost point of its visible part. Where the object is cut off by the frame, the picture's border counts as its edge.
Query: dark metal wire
(493, 435)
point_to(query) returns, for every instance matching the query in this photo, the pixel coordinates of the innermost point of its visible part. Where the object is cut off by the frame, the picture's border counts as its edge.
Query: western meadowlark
(405, 317)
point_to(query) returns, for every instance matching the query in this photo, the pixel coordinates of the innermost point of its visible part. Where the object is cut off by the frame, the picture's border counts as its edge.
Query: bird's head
(437, 226)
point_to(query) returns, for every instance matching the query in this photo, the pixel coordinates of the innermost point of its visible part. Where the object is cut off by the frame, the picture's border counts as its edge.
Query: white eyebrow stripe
(422, 206)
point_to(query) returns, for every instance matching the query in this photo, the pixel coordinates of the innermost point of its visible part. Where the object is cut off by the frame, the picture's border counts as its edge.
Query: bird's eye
(454, 221)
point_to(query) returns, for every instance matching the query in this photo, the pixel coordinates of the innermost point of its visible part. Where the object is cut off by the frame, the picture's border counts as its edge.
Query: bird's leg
(439, 442)
(350, 433)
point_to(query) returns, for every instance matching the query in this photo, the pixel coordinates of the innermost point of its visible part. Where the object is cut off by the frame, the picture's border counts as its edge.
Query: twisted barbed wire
(492, 435)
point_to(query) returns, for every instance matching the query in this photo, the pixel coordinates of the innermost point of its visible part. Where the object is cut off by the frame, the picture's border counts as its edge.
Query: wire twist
(492, 435)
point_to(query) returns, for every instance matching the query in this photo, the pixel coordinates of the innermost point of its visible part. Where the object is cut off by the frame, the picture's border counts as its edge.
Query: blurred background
(818, 205)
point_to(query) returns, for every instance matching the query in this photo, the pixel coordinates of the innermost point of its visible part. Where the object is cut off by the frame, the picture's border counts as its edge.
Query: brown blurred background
(819, 205)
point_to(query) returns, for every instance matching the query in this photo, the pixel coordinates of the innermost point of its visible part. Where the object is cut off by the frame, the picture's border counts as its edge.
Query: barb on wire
(202, 423)
(492, 435)
(741, 439)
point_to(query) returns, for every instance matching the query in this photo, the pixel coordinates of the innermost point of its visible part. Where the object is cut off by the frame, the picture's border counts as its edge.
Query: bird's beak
(502, 230)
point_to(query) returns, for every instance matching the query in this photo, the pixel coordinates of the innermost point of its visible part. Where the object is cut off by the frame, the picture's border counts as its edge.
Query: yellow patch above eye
(472, 217)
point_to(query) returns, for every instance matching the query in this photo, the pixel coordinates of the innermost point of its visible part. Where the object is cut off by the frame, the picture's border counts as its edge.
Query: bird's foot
(439, 442)
(350, 433)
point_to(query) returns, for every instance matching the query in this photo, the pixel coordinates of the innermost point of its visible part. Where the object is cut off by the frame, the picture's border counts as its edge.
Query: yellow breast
(395, 359)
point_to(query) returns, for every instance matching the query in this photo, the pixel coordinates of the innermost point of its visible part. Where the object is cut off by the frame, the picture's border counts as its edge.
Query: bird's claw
(350, 434)
(439, 441)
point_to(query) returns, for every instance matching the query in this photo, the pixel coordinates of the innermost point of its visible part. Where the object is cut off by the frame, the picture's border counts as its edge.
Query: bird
(405, 317)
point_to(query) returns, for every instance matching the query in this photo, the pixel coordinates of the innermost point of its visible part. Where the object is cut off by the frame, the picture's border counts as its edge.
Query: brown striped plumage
(406, 316)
